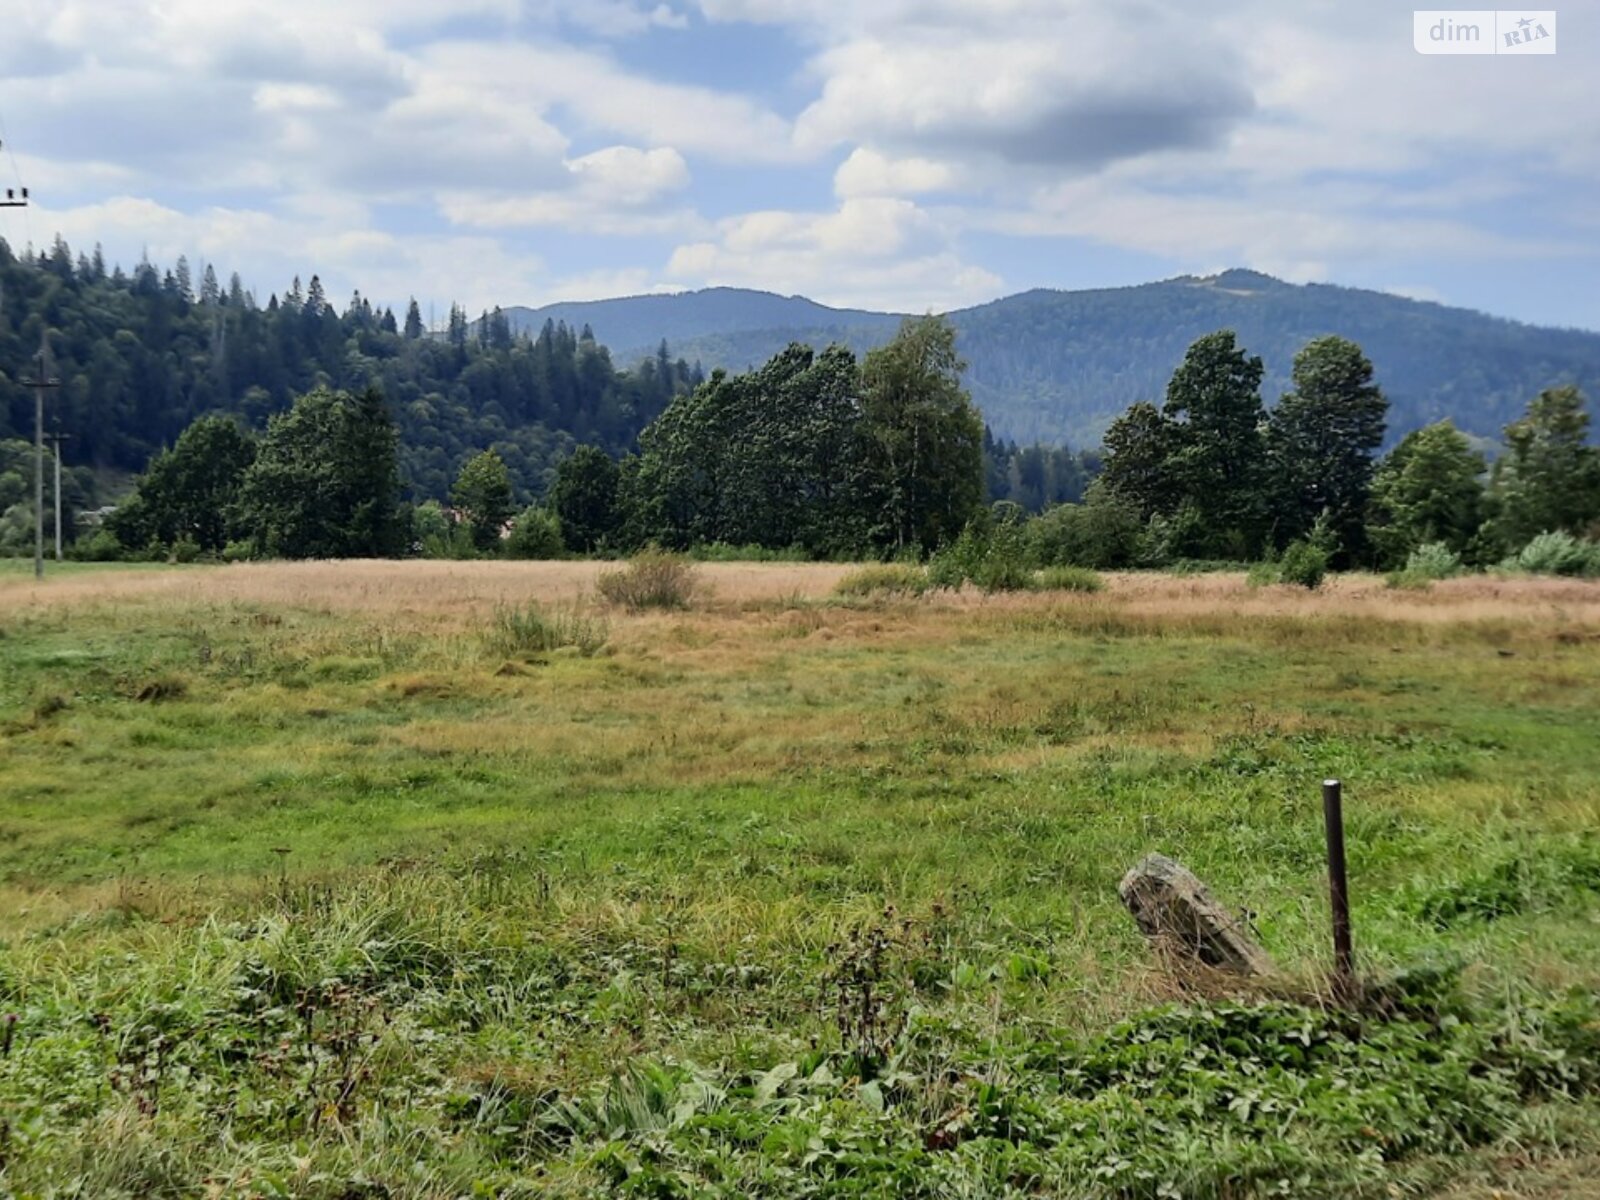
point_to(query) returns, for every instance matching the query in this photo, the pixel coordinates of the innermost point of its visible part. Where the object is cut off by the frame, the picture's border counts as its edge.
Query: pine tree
(1214, 398)
(1321, 439)
(413, 329)
(1549, 477)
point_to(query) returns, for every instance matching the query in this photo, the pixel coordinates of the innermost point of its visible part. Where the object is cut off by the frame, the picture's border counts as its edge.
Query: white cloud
(268, 250)
(602, 96)
(869, 173)
(1278, 232)
(871, 251)
(1073, 93)
(617, 190)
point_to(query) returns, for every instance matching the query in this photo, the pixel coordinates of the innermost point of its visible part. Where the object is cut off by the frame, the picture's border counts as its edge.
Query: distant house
(95, 518)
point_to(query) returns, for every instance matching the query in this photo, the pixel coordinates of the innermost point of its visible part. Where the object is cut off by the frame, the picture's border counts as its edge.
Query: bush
(1433, 561)
(1003, 570)
(1302, 564)
(883, 579)
(1069, 579)
(238, 551)
(104, 546)
(993, 557)
(1103, 532)
(185, 550)
(536, 535)
(1558, 553)
(652, 579)
(530, 630)
(945, 571)
(1262, 574)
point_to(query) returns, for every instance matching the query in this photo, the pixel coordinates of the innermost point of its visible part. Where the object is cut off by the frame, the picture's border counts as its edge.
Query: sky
(887, 154)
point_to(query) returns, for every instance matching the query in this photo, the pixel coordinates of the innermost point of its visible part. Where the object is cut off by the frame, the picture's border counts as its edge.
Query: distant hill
(634, 326)
(1058, 365)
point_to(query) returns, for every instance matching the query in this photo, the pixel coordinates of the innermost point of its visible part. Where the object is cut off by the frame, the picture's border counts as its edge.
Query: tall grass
(652, 579)
(883, 579)
(1069, 579)
(531, 629)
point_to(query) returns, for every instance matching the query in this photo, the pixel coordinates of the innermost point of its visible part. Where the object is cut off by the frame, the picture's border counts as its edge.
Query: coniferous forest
(292, 428)
(143, 355)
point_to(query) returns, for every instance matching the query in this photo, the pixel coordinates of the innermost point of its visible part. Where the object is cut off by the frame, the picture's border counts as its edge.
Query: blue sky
(875, 153)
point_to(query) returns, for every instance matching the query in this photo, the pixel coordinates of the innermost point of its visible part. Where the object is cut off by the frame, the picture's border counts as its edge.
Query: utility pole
(12, 200)
(40, 384)
(55, 439)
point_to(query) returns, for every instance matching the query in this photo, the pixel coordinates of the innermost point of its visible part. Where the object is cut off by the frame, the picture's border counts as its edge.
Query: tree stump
(1177, 912)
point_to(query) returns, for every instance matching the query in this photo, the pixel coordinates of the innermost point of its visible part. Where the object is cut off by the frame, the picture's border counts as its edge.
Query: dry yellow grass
(380, 587)
(435, 593)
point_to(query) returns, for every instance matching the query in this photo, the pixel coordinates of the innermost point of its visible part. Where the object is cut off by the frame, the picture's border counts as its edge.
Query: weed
(652, 579)
(530, 630)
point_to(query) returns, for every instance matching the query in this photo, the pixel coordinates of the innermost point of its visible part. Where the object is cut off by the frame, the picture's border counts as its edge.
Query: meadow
(431, 879)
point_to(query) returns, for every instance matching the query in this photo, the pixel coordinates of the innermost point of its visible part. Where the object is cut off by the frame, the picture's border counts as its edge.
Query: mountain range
(1054, 366)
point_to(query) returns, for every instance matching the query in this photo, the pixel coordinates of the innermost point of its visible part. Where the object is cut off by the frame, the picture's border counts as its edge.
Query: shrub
(1003, 573)
(883, 579)
(1558, 553)
(945, 571)
(1069, 579)
(1262, 574)
(1435, 560)
(1302, 564)
(652, 579)
(185, 550)
(104, 546)
(530, 630)
(238, 551)
(994, 557)
(1104, 532)
(536, 535)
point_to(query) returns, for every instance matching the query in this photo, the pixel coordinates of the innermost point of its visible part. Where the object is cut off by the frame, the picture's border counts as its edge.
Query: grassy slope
(297, 775)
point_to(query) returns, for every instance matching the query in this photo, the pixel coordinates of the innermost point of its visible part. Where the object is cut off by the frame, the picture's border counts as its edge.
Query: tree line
(1213, 474)
(822, 455)
(141, 356)
(814, 454)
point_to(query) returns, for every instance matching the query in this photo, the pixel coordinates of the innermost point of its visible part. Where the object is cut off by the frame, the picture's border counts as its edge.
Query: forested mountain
(641, 323)
(141, 355)
(1055, 365)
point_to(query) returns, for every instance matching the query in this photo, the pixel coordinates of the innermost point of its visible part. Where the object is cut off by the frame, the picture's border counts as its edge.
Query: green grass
(799, 900)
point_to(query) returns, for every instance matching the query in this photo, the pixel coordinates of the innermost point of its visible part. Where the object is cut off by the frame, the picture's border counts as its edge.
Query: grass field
(316, 880)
